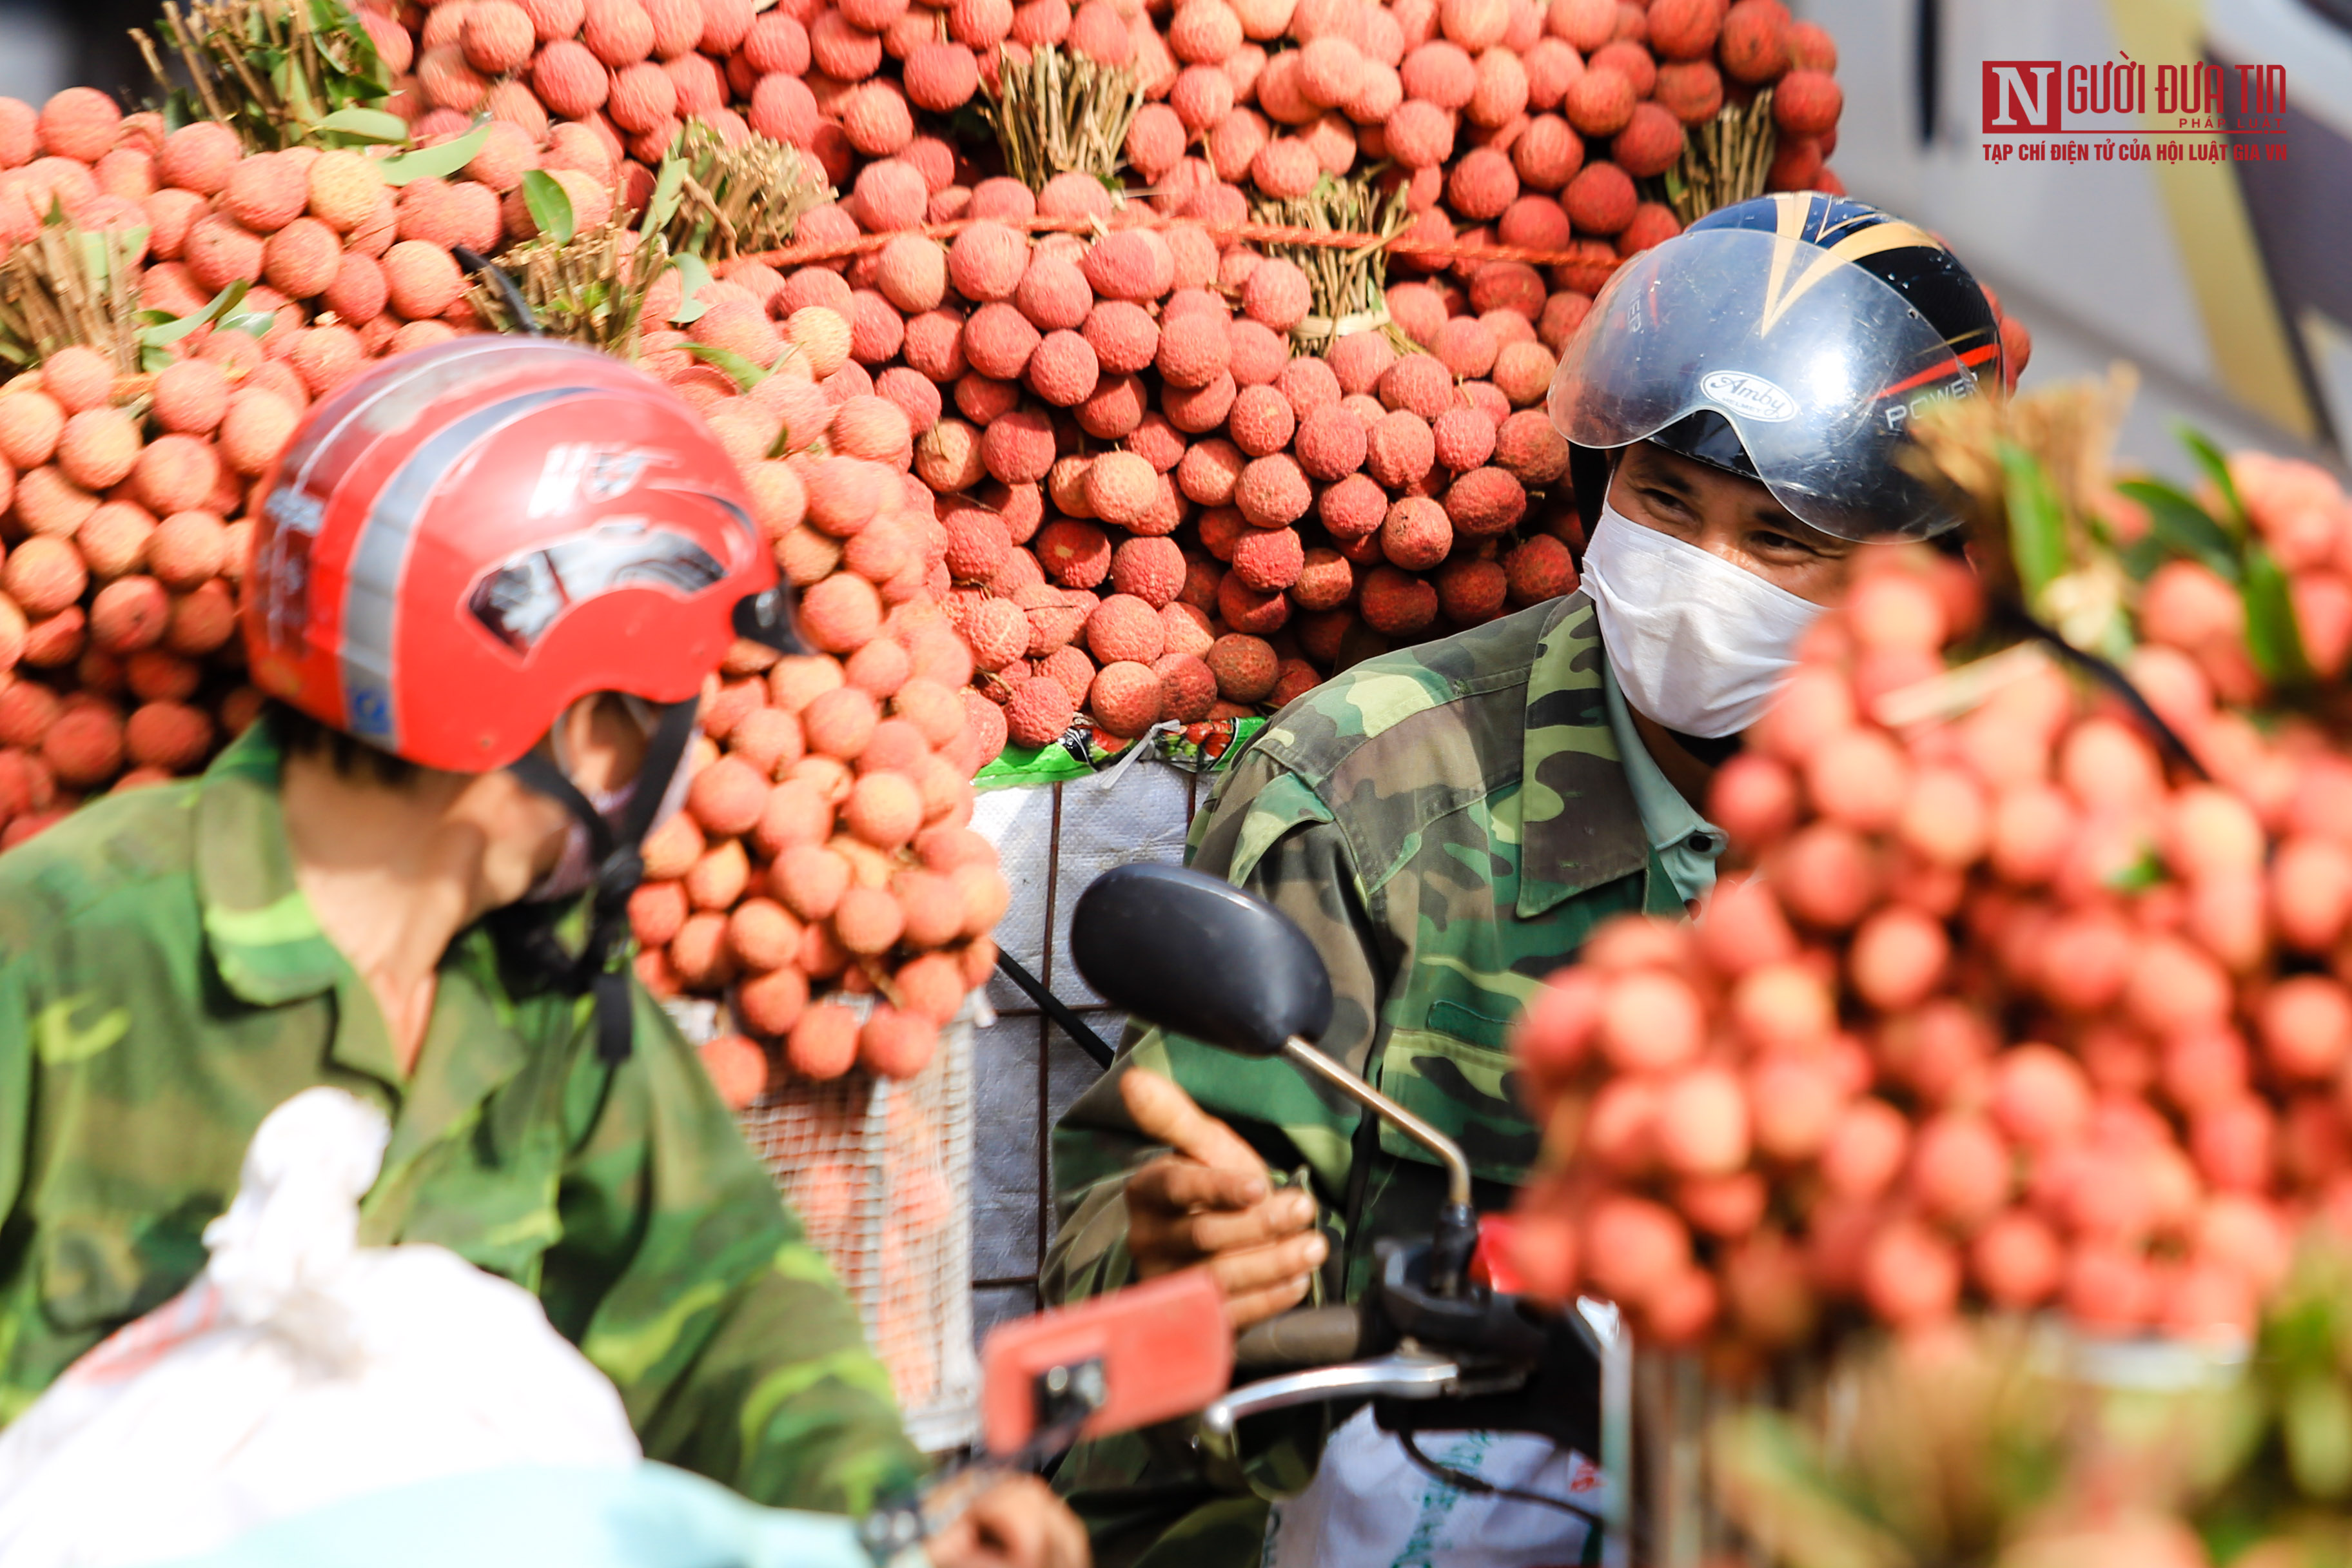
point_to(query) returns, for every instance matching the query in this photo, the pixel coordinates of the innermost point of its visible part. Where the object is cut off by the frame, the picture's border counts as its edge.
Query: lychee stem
(1725, 160)
(1349, 286)
(1061, 114)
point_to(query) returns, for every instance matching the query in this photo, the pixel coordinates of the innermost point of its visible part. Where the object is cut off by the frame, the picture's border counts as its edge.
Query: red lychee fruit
(1753, 46)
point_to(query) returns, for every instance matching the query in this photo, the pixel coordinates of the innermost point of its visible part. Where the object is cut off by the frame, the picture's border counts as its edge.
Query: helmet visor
(1817, 364)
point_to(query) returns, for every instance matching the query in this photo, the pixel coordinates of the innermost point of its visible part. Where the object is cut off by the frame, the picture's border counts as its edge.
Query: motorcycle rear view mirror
(1200, 957)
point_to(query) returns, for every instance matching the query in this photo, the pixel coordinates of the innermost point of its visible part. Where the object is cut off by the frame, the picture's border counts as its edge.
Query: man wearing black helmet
(1449, 822)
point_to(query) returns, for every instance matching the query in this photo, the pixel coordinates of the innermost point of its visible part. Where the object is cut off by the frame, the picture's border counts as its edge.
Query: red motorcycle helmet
(469, 538)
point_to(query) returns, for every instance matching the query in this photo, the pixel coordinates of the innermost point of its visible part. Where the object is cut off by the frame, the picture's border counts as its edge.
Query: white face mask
(1697, 642)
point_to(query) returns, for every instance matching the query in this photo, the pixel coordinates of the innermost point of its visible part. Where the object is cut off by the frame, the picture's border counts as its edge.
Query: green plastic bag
(1196, 748)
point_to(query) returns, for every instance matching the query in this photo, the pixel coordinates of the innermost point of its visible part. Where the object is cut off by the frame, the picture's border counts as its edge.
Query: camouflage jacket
(1447, 823)
(163, 985)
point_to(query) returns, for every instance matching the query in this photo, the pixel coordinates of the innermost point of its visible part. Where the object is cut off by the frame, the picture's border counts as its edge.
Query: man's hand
(1018, 1523)
(1210, 1202)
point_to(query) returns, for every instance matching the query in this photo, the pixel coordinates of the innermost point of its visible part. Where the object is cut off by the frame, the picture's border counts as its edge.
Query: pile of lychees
(2016, 1009)
(1503, 118)
(2299, 513)
(1158, 514)
(1208, 540)
(1165, 511)
(824, 844)
(1023, 479)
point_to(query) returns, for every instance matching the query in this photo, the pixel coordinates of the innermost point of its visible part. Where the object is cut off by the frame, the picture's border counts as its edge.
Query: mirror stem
(1448, 1152)
(1457, 1222)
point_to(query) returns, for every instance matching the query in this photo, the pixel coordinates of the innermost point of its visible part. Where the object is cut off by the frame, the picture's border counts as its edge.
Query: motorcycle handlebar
(1488, 1362)
(1310, 1336)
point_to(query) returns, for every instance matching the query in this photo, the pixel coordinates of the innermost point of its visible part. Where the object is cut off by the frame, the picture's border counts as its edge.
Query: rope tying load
(1598, 258)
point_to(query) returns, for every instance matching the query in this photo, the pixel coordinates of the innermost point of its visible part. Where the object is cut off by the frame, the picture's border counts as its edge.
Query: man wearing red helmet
(489, 582)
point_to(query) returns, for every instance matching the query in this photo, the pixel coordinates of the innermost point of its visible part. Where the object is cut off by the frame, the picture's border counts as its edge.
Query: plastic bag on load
(1372, 1506)
(649, 1516)
(298, 1370)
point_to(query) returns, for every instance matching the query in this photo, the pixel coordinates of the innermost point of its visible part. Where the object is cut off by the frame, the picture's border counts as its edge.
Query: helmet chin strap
(617, 852)
(1589, 472)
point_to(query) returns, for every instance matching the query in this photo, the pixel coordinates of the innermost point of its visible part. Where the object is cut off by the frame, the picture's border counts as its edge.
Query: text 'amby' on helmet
(1791, 340)
(469, 538)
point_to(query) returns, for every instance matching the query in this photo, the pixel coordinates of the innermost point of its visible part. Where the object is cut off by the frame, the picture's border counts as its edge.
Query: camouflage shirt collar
(265, 941)
(1687, 844)
(1580, 824)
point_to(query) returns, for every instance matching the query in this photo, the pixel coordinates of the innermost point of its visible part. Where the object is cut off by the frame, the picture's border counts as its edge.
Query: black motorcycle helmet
(1688, 339)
